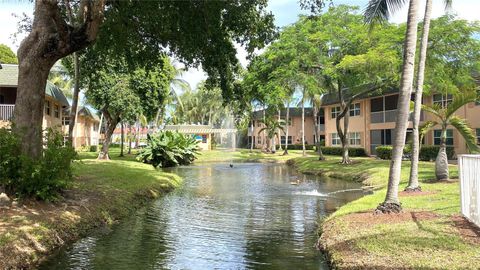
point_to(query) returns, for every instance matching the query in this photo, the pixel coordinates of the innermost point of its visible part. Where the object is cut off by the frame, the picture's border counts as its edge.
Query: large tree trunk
(413, 184)
(303, 123)
(392, 203)
(130, 139)
(264, 138)
(51, 38)
(285, 152)
(278, 132)
(441, 162)
(343, 134)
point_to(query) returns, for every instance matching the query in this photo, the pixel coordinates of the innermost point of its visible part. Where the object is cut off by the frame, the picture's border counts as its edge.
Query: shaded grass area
(102, 192)
(245, 155)
(425, 236)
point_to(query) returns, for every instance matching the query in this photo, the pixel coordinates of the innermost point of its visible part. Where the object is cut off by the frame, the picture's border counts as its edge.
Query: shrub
(93, 148)
(430, 152)
(299, 146)
(337, 151)
(168, 149)
(41, 178)
(427, 152)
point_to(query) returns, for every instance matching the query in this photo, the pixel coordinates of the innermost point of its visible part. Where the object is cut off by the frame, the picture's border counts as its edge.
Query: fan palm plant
(271, 128)
(446, 117)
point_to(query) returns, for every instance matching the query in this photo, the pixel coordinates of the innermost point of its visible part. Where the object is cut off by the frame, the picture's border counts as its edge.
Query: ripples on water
(246, 217)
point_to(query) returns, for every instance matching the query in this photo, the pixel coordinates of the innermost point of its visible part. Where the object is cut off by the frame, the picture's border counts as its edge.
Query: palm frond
(425, 127)
(448, 4)
(379, 11)
(459, 101)
(466, 131)
(434, 109)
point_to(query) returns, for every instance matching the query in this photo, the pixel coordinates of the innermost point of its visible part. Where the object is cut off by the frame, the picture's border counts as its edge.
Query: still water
(251, 216)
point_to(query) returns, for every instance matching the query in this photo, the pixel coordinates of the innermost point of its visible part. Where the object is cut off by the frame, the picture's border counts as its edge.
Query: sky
(285, 11)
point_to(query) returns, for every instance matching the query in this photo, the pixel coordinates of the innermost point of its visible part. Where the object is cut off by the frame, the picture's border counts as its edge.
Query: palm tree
(316, 100)
(446, 117)
(287, 117)
(380, 9)
(271, 128)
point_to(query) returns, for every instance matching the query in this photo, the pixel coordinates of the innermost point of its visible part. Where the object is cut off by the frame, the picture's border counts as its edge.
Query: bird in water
(296, 182)
(231, 165)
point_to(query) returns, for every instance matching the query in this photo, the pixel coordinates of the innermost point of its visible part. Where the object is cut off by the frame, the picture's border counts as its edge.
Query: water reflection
(246, 217)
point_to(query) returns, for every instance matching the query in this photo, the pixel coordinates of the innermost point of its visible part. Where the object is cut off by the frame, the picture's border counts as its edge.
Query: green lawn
(426, 236)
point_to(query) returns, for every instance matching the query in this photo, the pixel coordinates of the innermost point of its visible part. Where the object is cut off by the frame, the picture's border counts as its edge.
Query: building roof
(86, 112)
(294, 111)
(9, 78)
(198, 129)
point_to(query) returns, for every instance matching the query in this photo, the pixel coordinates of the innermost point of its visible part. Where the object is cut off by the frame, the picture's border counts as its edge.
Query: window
(335, 112)
(95, 127)
(259, 140)
(66, 120)
(442, 100)
(47, 107)
(391, 102)
(282, 140)
(437, 137)
(387, 103)
(259, 124)
(204, 138)
(2, 99)
(354, 138)
(478, 135)
(335, 139)
(355, 109)
(56, 111)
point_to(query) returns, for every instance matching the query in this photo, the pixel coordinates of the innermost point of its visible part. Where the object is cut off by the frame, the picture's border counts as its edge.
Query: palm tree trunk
(122, 138)
(343, 134)
(413, 184)
(76, 92)
(129, 139)
(317, 133)
(252, 140)
(264, 139)
(303, 123)
(392, 203)
(278, 132)
(285, 152)
(441, 162)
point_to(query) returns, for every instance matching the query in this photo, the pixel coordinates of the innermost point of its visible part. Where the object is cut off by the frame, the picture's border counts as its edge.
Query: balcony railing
(6, 112)
(389, 116)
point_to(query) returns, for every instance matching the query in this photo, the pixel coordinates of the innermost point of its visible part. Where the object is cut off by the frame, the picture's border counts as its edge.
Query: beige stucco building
(86, 129)
(371, 122)
(55, 100)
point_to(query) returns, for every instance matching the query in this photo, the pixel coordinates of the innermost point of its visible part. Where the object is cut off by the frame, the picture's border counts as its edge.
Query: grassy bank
(102, 192)
(430, 234)
(245, 155)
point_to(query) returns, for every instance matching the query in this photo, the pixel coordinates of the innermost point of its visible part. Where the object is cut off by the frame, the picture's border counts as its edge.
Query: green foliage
(7, 56)
(385, 151)
(300, 147)
(93, 148)
(42, 178)
(168, 149)
(427, 152)
(430, 152)
(337, 151)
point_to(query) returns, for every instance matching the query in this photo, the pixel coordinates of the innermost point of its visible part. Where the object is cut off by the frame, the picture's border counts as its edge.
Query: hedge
(299, 146)
(337, 151)
(427, 152)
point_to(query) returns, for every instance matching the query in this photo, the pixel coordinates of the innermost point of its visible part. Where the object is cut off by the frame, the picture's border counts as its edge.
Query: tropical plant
(446, 117)
(379, 10)
(168, 149)
(271, 128)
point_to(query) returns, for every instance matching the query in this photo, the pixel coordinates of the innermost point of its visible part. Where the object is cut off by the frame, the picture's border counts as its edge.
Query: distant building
(86, 130)
(204, 134)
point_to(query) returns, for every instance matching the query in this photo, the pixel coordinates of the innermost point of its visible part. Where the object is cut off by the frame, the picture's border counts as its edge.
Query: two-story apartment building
(294, 127)
(55, 100)
(372, 122)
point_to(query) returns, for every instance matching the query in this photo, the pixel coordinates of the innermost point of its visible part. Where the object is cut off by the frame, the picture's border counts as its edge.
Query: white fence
(469, 170)
(6, 112)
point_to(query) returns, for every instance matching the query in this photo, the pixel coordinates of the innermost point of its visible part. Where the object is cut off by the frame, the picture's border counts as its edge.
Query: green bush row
(427, 152)
(42, 178)
(337, 151)
(299, 146)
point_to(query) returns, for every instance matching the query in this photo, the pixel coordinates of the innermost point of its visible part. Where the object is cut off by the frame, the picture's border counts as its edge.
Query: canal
(251, 216)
